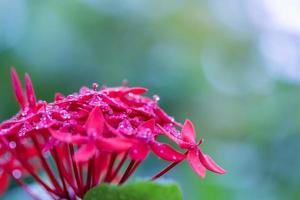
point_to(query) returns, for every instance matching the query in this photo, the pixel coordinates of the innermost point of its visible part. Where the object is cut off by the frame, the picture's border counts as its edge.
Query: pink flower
(196, 158)
(90, 136)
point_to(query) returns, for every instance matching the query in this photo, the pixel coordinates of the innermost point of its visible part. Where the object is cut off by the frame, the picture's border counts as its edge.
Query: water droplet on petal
(95, 86)
(135, 151)
(126, 128)
(17, 173)
(22, 131)
(12, 144)
(156, 98)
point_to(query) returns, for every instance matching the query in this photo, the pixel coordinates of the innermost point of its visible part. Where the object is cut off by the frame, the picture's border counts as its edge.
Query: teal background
(232, 67)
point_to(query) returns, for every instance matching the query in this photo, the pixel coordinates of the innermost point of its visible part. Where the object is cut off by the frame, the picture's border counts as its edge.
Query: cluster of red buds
(91, 137)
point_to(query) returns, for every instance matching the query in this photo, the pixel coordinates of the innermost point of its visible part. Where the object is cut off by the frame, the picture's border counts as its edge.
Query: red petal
(17, 88)
(101, 163)
(146, 129)
(30, 91)
(85, 152)
(12, 130)
(139, 151)
(165, 117)
(58, 96)
(148, 124)
(136, 90)
(95, 122)
(68, 137)
(4, 182)
(188, 132)
(175, 139)
(166, 152)
(114, 103)
(210, 164)
(113, 144)
(195, 163)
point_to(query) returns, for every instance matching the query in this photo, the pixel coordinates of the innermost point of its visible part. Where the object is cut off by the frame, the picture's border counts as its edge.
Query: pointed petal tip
(58, 96)
(200, 141)
(137, 90)
(210, 164)
(17, 87)
(148, 124)
(30, 91)
(95, 122)
(188, 132)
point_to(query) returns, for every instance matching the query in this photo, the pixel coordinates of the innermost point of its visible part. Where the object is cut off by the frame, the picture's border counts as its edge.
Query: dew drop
(17, 173)
(12, 144)
(135, 151)
(156, 98)
(22, 131)
(95, 86)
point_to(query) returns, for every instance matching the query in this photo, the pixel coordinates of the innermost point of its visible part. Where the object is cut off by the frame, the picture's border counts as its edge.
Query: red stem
(90, 173)
(98, 168)
(168, 168)
(60, 170)
(75, 171)
(113, 157)
(45, 164)
(129, 171)
(165, 170)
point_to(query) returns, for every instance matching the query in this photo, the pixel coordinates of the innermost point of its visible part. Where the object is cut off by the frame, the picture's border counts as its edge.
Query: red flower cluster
(90, 136)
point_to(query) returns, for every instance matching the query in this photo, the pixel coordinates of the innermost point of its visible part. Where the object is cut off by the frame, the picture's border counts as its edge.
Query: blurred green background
(233, 67)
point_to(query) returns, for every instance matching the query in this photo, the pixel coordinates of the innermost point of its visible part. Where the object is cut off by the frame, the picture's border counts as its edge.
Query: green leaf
(135, 191)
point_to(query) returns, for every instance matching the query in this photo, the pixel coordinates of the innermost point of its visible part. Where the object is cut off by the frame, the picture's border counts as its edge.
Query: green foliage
(135, 191)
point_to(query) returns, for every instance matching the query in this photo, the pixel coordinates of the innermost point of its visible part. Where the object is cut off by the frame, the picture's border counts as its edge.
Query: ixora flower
(91, 137)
